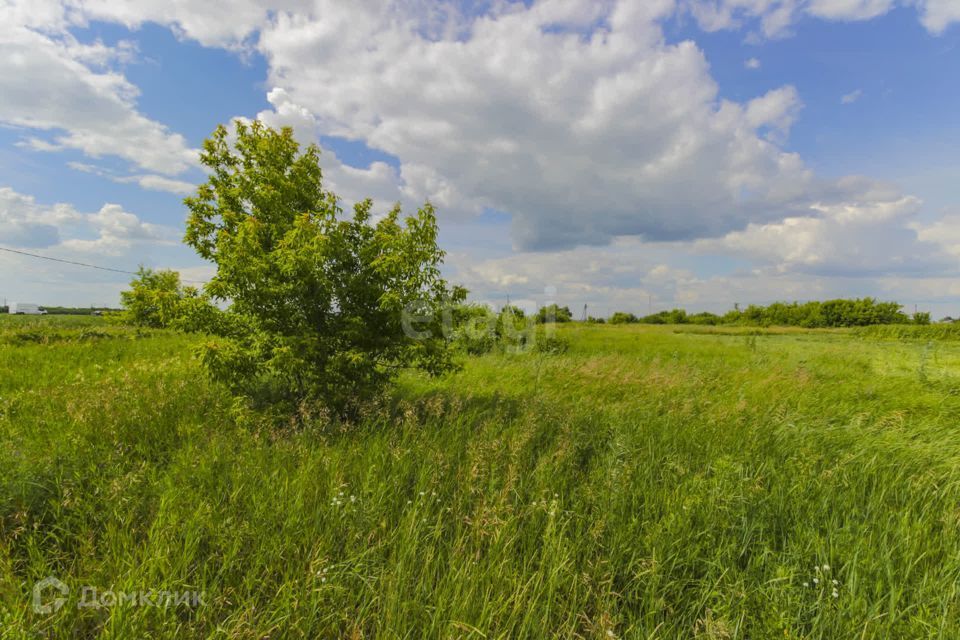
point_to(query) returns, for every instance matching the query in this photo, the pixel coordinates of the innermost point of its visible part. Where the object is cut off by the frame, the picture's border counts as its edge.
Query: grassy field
(652, 482)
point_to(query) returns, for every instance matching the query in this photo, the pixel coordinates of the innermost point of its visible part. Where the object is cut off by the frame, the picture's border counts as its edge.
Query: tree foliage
(319, 302)
(623, 317)
(554, 313)
(156, 298)
(829, 313)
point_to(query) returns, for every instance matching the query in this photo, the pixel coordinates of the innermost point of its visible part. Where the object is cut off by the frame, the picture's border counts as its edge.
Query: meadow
(651, 482)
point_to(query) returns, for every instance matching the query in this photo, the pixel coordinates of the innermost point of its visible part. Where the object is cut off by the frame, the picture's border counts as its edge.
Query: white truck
(26, 309)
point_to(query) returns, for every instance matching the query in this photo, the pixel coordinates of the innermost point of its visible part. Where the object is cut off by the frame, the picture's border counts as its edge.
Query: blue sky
(682, 154)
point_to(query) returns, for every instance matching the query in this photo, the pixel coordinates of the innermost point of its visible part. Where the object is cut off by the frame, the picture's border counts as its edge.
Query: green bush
(830, 313)
(622, 317)
(155, 298)
(319, 303)
(554, 313)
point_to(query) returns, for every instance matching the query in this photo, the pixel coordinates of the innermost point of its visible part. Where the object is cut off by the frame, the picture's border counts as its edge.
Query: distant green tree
(829, 313)
(554, 313)
(704, 317)
(321, 305)
(921, 317)
(155, 298)
(622, 317)
(674, 316)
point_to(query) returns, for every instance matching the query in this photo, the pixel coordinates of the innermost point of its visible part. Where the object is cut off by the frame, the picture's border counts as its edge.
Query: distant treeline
(68, 311)
(858, 312)
(77, 311)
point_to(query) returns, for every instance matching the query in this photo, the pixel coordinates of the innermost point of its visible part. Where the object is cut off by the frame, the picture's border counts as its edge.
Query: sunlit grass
(647, 483)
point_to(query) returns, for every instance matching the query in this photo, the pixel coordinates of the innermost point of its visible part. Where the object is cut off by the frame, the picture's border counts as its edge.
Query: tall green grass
(911, 332)
(644, 484)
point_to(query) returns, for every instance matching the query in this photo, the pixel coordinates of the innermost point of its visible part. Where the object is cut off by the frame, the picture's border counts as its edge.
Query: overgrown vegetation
(830, 313)
(478, 329)
(157, 299)
(554, 313)
(912, 332)
(320, 306)
(644, 484)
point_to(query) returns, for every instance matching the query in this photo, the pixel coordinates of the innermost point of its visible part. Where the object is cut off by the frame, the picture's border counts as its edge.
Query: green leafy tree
(623, 317)
(155, 298)
(554, 313)
(321, 305)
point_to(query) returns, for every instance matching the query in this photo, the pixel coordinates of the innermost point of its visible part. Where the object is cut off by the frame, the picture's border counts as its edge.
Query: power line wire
(80, 264)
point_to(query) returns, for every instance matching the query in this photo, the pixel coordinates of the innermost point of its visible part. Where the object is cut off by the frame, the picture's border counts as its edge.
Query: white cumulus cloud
(52, 83)
(581, 139)
(111, 230)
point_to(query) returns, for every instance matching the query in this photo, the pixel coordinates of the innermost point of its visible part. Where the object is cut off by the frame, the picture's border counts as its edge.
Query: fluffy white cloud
(582, 138)
(379, 181)
(577, 119)
(23, 224)
(148, 181)
(110, 231)
(109, 237)
(875, 245)
(774, 18)
(937, 15)
(867, 250)
(51, 82)
(226, 23)
(944, 232)
(874, 236)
